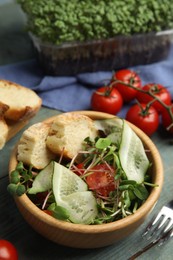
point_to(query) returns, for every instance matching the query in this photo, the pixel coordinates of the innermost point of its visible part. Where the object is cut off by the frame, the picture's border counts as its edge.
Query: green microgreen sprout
(20, 179)
(80, 21)
(58, 211)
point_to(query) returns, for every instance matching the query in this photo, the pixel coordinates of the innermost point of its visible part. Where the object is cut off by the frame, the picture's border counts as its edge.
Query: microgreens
(123, 200)
(20, 180)
(71, 21)
(129, 194)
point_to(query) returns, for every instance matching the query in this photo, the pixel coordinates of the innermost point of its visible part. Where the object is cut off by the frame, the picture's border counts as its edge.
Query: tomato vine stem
(155, 98)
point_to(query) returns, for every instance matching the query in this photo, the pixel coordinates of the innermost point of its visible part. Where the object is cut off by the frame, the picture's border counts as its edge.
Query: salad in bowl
(86, 173)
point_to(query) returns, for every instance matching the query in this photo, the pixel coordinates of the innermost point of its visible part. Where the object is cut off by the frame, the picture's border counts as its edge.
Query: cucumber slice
(71, 193)
(66, 182)
(43, 181)
(132, 155)
(82, 207)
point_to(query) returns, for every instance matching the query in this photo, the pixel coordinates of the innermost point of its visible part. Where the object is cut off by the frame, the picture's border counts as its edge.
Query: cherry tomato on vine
(167, 120)
(101, 179)
(159, 91)
(7, 250)
(106, 99)
(147, 119)
(128, 77)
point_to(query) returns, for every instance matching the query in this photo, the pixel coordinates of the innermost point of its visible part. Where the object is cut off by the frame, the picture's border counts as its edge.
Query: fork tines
(159, 230)
(161, 226)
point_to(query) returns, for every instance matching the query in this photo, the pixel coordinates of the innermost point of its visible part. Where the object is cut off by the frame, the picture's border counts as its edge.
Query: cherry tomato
(167, 121)
(159, 91)
(128, 77)
(146, 119)
(49, 212)
(80, 169)
(106, 99)
(7, 250)
(102, 179)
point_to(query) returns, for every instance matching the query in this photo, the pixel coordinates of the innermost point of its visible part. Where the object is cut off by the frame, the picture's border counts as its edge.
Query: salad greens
(108, 184)
(60, 21)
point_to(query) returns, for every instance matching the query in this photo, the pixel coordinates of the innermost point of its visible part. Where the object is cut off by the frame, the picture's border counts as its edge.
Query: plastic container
(103, 55)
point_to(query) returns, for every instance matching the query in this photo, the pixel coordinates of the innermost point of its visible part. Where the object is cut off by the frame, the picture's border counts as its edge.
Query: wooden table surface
(15, 46)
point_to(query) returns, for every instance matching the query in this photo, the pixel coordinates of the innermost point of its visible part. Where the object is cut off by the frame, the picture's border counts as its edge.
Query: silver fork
(159, 230)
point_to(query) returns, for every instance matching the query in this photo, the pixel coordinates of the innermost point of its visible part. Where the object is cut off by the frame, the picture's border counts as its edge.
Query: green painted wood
(15, 46)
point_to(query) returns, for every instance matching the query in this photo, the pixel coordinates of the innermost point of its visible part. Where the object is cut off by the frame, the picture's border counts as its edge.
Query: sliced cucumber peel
(66, 182)
(71, 193)
(43, 181)
(132, 155)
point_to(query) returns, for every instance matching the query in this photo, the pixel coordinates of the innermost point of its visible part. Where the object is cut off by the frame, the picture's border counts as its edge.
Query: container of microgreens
(72, 37)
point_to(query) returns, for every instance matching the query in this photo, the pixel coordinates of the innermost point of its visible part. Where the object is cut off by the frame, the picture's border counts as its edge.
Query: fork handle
(144, 249)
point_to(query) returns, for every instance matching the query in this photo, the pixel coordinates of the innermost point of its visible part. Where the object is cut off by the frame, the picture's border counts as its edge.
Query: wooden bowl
(92, 236)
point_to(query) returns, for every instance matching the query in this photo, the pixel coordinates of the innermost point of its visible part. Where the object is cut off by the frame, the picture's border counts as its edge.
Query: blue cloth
(74, 93)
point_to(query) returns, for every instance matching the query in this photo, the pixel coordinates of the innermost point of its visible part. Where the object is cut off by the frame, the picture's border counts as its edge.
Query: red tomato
(106, 99)
(7, 250)
(159, 91)
(166, 120)
(146, 120)
(128, 77)
(101, 179)
(80, 169)
(49, 212)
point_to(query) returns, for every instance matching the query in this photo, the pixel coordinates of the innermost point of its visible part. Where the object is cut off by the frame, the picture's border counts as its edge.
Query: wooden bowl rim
(117, 225)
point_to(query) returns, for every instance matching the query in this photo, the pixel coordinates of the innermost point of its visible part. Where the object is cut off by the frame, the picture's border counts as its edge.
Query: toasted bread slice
(3, 125)
(67, 133)
(4, 132)
(32, 149)
(23, 103)
(3, 109)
